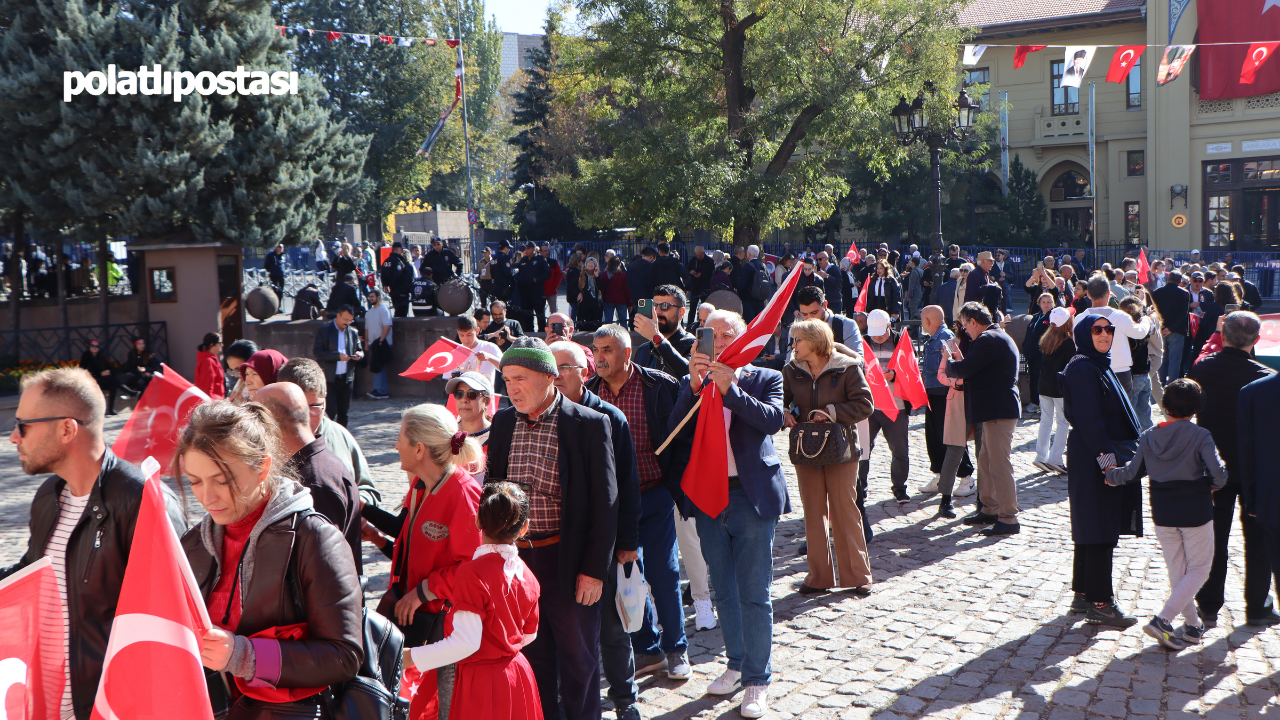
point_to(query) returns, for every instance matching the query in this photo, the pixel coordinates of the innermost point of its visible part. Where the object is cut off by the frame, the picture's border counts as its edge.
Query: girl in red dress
(495, 614)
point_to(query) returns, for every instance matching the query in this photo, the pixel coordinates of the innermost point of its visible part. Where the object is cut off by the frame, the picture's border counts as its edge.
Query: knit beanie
(532, 353)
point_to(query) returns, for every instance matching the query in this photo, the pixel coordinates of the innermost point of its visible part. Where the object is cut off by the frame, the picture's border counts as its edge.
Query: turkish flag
(706, 478)
(443, 355)
(161, 413)
(331, 35)
(1257, 55)
(1020, 54)
(1238, 70)
(907, 383)
(388, 39)
(152, 667)
(880, 393)
(1144, 269)
(28, 690)
(1123, 61)
(853, 252)
(861, 304)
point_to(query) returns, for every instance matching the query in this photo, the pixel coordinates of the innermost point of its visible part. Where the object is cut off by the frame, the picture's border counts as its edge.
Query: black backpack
(762, 285)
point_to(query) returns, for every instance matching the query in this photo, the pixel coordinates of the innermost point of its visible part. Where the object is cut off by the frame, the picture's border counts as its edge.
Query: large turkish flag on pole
(706, 478)
(161, 413)
(1222, 66)
(152, 668)
(28, 690)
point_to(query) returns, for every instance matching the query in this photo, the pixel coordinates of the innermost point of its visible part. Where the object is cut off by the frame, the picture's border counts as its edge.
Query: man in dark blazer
(946, 296)
(1259, 472)
(337, 348)
(738, 545)
(1174, 304)
(1222, 375)
(561, 454)
(990, 373)
(833, 283)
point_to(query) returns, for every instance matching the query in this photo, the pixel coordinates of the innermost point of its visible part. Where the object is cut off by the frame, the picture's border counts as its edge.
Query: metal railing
(64, 344)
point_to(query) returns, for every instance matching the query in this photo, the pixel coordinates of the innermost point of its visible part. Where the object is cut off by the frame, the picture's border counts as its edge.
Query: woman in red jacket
(209, 375)
(434, 533)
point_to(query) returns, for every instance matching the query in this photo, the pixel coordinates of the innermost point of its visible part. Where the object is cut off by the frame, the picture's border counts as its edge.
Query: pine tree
(539, 214)
(1024, 205)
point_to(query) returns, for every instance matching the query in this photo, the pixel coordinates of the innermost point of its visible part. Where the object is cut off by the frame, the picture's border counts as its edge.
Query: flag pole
(679, 427)
(466, 144)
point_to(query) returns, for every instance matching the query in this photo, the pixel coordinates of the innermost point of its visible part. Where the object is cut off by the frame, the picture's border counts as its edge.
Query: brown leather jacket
(324, 573)
(841, 386)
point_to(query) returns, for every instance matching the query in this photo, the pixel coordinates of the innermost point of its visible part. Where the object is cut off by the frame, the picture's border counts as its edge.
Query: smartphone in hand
(644, 307)
(558, 329)
(707, 342)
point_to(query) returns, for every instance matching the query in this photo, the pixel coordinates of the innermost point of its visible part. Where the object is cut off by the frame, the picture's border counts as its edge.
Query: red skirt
(495, 689)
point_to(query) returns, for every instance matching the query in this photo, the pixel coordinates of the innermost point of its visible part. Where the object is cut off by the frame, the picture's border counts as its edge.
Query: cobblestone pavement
(959, 626)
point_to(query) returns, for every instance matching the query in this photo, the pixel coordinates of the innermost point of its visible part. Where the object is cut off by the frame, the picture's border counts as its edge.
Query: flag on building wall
(1020, 54)
(1077, 64)
(1175, 58)
(1241, 69)
(973, 53)
(1126, 57)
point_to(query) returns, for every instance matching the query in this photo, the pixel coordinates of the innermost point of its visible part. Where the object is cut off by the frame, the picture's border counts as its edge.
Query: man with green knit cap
(561, 454)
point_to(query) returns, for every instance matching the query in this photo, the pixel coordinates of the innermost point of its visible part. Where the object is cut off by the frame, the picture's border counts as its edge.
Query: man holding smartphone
(501, 330)
(670, 344)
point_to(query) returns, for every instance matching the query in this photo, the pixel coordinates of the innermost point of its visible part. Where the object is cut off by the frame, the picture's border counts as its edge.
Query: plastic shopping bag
(632, 592)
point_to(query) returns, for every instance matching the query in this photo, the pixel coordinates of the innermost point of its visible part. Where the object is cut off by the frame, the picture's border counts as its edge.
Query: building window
(1066, 100)
(1134, 82)
(1070, 185)
(164, 285)
(1217, 173)
(979, 76)
(1262, 170)
(1219, 220)
(1136, 162)
(1133, 222)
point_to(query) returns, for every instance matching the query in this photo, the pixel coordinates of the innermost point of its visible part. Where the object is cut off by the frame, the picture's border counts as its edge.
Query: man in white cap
(883, 340)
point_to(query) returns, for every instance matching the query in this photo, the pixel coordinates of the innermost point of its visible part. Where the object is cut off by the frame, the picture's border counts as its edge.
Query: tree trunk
(17, 280)
(745, 234)
(331, 222)
(104, 291)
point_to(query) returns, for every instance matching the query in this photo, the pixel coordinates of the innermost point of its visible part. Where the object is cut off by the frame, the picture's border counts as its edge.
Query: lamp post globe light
(912, 123)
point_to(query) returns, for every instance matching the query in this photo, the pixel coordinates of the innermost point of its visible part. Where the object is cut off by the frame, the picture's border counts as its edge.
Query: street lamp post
(913, 125)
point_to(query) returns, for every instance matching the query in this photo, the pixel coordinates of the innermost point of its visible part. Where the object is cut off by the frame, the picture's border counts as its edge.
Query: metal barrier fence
(64, 344)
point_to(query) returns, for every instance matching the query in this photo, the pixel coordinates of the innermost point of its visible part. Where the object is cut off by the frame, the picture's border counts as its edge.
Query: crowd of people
(521, 524)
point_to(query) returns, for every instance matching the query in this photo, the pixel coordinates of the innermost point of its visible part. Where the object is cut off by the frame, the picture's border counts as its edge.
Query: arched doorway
(1071, 204)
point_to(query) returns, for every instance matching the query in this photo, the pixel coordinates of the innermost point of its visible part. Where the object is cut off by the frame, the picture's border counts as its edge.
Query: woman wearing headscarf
(260, 370)
(1104, 434)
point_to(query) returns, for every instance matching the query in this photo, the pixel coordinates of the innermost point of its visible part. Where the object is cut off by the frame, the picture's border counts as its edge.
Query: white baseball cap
(1059, 316)
(471, 379)
(877, 323)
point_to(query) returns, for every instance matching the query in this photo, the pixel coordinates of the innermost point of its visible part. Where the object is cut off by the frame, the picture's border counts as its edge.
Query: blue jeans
(662, 571)
(738, 548)
(380, 382)
(615, 310)
(1140, 396)
(1174, 348)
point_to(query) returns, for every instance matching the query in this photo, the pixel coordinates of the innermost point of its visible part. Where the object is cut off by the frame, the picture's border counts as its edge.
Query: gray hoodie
(1176, 451)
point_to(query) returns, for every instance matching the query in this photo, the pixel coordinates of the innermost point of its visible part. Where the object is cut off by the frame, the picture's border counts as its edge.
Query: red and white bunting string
(367, 40)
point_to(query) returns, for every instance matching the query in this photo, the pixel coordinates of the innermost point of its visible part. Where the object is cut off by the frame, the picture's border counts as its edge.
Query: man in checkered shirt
(562, 455)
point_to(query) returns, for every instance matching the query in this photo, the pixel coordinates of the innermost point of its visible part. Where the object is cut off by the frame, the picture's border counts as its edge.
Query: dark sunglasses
(21, 424)
(1099, 329)
(665, 306)
(468, 394)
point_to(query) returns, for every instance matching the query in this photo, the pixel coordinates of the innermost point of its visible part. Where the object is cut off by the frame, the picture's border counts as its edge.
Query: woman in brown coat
(278, 579)
(821, 385)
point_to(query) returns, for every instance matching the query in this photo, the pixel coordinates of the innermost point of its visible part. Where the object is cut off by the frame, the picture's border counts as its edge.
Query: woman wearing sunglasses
(1104, 434)
(472, 394)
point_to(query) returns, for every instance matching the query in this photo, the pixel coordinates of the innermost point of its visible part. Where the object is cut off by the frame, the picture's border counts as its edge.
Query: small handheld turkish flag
(853, 252)
(880, 393)
(161, 413)
(907, 383)
(443, 355)
(1144, 269)
(1123, 61)
(1258, 54)
(152, 666)
(861, 304)
(28, 690)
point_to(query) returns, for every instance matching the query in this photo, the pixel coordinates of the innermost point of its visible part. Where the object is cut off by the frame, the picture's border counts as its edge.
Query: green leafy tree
(732, 115)
(1024, 205)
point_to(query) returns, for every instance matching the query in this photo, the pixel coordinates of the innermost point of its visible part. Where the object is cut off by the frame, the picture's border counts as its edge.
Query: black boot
(111, 401)
(944, 508)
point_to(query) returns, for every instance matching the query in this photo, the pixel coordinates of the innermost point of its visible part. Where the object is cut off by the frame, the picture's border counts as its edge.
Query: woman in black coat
(1104, 434)
(1036, 328)
(884, 293)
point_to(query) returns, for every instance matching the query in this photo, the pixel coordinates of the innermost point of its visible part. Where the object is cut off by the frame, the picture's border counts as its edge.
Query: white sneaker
(728, 683)
(967, 486)
(704, 615)
(755, 703)
(932, 485)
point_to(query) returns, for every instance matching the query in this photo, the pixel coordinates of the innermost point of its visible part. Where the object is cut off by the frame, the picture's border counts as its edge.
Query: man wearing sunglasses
(670, 344)
(82, 519)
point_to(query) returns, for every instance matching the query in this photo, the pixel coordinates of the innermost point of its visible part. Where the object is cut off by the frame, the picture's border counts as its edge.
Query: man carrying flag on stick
(83, 519)
(735, 489)
(891, 413)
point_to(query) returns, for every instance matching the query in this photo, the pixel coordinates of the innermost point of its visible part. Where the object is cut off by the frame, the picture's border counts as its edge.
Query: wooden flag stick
(679, 427)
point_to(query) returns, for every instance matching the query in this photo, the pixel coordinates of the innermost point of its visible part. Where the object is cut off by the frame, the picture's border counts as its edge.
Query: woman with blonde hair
(590, 302)
(259, 548)
(823, 386)
(434, 533)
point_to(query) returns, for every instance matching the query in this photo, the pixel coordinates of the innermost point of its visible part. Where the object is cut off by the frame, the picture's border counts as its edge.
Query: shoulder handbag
(820, 443)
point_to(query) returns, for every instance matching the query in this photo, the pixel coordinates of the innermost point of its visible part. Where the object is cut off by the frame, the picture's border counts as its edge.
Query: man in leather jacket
(82, 517)
(672, 342)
